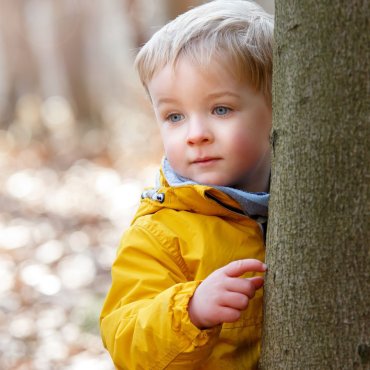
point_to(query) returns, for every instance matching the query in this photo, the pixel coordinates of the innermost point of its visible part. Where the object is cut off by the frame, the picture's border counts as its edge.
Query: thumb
(239, 267)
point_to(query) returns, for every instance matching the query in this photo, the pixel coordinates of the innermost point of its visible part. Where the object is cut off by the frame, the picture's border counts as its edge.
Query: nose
(199, 132)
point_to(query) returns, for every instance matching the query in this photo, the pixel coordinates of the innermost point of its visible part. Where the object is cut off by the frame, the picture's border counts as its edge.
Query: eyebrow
(209, 96)
(166, 100)
(222, 94)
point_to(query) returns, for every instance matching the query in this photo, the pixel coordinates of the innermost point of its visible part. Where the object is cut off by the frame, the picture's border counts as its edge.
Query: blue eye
(175, 117)
(221, 111)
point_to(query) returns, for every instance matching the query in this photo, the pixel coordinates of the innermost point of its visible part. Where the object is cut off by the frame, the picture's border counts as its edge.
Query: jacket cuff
(180, 317)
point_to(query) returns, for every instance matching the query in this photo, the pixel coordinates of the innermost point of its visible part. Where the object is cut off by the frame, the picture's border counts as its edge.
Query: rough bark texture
(317, 295)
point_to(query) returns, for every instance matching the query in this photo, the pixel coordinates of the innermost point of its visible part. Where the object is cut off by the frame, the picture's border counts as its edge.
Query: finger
(240, 285)
(257, 281)
(234, 300)
(239, 267)
(228, 314)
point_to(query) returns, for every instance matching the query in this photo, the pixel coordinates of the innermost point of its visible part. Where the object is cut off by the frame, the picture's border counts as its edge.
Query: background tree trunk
(317, 297)
(21, 75)
(70, 36)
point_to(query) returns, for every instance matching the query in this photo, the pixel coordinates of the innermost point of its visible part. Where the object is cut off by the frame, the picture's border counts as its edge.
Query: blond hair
(239, 30)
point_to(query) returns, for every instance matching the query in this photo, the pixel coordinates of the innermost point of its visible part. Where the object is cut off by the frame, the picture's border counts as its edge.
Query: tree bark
(317, 296)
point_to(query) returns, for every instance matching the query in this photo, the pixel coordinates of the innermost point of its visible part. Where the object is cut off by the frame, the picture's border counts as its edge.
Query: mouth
(205, 160)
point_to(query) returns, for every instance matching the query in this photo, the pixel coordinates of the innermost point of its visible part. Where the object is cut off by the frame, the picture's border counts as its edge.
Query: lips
(205, 160)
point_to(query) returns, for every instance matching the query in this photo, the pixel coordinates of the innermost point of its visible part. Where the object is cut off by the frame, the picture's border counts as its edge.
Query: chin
(213, 181)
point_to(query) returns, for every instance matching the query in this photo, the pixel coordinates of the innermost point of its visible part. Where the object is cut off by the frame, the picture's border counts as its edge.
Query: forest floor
(63, 207)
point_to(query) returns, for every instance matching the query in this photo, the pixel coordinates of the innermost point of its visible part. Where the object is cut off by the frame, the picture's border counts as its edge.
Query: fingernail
(265, 266)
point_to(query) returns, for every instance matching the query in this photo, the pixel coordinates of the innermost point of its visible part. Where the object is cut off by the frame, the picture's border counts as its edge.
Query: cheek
(243, 142)
(173, 142)
(173, 152)
(249, 146)
(166, 142)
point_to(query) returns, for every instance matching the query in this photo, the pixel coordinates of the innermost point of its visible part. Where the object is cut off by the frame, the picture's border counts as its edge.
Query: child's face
(215, 129)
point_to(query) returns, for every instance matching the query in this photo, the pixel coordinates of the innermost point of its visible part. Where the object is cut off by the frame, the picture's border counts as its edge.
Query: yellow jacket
(177, 238)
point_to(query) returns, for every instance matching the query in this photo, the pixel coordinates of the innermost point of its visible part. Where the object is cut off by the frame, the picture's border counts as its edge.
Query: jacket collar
(254, 205)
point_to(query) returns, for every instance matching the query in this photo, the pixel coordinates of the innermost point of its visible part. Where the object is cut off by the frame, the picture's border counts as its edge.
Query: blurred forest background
(78, 143)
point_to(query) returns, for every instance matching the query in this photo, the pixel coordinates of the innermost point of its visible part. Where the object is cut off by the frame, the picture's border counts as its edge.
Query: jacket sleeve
(144, 321)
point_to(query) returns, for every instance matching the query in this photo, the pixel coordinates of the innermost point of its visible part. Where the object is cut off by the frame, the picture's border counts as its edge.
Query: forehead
(193, 84)
(186, 74)
(216, 69)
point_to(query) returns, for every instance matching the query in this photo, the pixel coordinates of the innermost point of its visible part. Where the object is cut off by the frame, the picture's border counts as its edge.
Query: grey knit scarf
(254, 205)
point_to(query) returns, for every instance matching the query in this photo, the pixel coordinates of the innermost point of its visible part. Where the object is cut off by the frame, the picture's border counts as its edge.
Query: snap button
(160, 197)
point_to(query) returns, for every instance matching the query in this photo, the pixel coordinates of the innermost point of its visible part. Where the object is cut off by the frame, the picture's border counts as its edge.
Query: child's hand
(223, 294)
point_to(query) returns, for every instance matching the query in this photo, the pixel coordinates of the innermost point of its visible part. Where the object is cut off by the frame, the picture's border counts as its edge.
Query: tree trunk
(317, 296)
(70, 27)
(174, 8)
(21, 71)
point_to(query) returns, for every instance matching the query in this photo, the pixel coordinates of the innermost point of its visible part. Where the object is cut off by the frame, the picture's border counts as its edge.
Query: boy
(178, 299)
